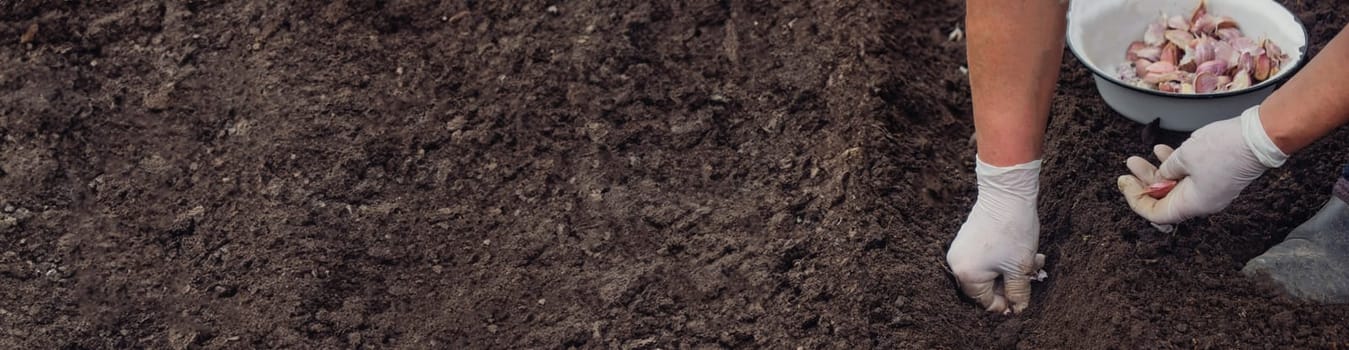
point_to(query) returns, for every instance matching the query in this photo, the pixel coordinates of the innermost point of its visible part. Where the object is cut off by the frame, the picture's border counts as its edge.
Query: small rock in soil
(902, 320)
(457, 123)
(157, 101)
(224, 291)
(29, 35)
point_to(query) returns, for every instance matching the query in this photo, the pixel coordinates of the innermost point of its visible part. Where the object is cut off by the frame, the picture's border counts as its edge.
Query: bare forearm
(1015, 48)
(1312, 103)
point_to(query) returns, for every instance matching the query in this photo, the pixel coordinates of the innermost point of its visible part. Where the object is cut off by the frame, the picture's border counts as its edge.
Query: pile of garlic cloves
(1199, 54)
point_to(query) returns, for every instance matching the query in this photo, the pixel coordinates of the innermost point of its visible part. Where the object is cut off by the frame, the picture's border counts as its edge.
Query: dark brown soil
(590, 174)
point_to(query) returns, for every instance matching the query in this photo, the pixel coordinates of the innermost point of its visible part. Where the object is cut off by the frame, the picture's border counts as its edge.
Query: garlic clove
(1223, 50)
(1228, 34)
(1206, 82)
(1247, 45)
(1131, 53)
(1273, 49)
(1246, 63)
(1151, 53)
(1141, 67)
(1240, 81)
(1179, 37)
(1134, 48)
(1161, 67)
(1199, 12)
(1170, 53)
(1204, 25)
(1154, 78)
(1214, 67)
(1187, 88)
(1155, 34)
(1177, 22)
(1187, 63)
(1203, 49)
(1160, 189)
(1262, 67)
(1275, 53)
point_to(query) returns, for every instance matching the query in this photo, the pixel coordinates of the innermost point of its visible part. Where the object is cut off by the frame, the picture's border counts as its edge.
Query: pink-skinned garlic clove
(1204, 25)
(1161, 189)
(1247, 45)
(1276, 55)
(1274, 51)
(1154, 78)
(1155, 34)
(1178, 22)
(1262, 67)
(1203, 49)
(1141, 67)
(1229, 34)
(1161, 67)
(1132, 53)
(1151, 53)
(1200, 11)
(1170, 53)
(1214, 67)
(1178, 37)
(1223, 50)
(1139, 49)
(1223, 80)
(1245, 63)
(1206, 82)
(1225, 22)
(1187, 63)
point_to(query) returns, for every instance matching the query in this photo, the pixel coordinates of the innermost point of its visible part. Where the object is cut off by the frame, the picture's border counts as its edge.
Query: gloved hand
(1000, 237)
(1213, 167)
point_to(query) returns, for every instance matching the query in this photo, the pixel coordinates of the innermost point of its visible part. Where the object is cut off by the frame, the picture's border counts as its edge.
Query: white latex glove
(1213, 167)
(1000, 238)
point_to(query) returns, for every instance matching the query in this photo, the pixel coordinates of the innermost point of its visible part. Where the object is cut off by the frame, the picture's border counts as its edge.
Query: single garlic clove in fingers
(1161, 189)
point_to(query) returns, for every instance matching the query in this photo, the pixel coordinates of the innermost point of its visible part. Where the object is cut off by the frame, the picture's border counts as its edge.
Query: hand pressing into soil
(1212, 168)
(1000, 238)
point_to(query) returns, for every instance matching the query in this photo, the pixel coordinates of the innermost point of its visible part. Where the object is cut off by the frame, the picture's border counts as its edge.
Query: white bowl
(1099, 31)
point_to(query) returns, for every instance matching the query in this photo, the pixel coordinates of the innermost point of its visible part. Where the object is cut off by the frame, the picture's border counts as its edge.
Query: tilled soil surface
(589, 174)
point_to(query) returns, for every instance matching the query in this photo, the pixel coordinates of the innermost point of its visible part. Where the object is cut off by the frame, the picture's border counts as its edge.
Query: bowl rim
(1297, 66)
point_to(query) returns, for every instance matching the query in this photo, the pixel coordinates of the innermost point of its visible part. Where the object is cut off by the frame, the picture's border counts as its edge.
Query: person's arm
(1221, 159)
(1014, 51)
(1314, 102)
